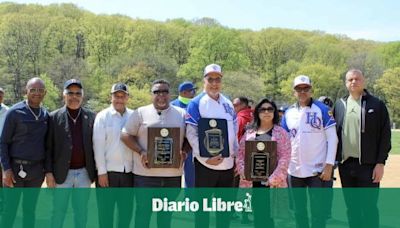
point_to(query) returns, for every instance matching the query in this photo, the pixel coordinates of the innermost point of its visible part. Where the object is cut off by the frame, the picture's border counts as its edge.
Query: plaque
(260, 160)
(163, 147)
(213, 137)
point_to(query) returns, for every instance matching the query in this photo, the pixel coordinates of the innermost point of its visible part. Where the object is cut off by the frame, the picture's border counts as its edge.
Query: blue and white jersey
(307, 128)
(203, 106)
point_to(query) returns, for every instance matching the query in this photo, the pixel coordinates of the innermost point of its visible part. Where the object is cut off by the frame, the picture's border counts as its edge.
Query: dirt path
(391, 177)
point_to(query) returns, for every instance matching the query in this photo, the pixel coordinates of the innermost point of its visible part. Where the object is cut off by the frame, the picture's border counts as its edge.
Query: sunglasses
(37, 90)
(160, 92)
(216, 80)
(302, 90)
(78, 94)
(268, 110)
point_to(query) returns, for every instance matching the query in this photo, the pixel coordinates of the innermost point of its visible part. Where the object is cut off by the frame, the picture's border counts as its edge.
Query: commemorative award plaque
(213, 137)
(163, 147)
(260, 160)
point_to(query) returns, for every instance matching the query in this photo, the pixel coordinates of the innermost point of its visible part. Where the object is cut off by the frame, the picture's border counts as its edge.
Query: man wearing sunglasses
(135, 135)
(314, 141)
(214, 171)
(70, 158)
(22, 146)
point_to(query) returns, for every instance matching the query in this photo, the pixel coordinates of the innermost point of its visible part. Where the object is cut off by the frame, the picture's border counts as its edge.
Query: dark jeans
(319, 211)
(144, 199)
(209, 178)
(122, 198)
(12, 197)
(262, 206)
(360, 212)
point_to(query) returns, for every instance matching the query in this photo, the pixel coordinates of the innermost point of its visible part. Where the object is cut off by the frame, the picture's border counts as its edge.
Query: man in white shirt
(114, 160)
(158, 114)
(314, 141)
(214, 171)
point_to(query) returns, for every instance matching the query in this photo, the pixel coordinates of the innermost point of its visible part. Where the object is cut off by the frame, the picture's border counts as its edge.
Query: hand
(215, 160)
(145, 161)
(183, 157)
(103, 180)
(50, 181)
(8, 178)
(326, 174)
(377, 174)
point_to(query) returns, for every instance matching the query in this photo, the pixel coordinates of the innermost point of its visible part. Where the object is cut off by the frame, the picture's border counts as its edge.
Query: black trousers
(12, 197)
(209, 178)
(360, 212)
(109, 200)
(301, 191)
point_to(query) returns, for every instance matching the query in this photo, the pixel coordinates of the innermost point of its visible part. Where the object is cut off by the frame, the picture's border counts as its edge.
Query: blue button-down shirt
(23, 136)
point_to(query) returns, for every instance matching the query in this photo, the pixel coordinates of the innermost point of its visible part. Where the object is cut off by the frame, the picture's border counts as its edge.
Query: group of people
(72, 147)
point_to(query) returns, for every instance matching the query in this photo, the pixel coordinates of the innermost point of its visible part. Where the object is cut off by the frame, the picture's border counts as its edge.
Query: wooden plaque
(163, 147)
(260, 160)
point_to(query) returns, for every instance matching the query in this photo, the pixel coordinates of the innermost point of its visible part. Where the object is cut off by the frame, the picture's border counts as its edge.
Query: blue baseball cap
(73, 82)
(186, 86)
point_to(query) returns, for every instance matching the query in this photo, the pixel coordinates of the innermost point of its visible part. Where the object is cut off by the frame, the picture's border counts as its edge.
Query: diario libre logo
(207, 205)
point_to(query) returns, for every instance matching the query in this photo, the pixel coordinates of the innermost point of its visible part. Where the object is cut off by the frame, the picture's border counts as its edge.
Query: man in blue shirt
(187, 90)
(22, 146)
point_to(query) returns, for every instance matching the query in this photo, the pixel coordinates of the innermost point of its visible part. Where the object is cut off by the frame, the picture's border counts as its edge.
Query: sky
(357, 19)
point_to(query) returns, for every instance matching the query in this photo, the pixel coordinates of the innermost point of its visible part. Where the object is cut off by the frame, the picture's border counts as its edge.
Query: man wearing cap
(114, 160)
(314, 142)
(216, 171)
(22, 146)
(70, 158)
(364, 144)
(3, 110)
(135, 135)
(187, 90)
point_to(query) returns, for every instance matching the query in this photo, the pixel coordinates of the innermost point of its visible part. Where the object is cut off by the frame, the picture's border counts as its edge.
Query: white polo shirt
(203, 106)
(308, 128)
(110, 153)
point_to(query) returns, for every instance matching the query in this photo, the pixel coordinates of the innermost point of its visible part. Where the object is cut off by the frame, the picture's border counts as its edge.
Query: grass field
(395, 142)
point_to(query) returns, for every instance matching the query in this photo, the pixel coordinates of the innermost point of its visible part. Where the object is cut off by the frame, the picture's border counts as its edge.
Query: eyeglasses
(302, 90)
(37, 90)
(78, 94)
(269, 110)
(216, 80)
(161, 92)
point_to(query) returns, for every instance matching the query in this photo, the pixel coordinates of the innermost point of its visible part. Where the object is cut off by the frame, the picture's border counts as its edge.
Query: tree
(52, 100)
(388, 85)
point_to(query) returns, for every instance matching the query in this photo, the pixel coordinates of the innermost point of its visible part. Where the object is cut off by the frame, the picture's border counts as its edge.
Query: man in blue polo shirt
(22, 146)
(314, 142)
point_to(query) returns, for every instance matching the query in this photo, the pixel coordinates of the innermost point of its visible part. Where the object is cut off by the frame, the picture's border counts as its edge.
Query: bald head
(35, 81)
(355, 82)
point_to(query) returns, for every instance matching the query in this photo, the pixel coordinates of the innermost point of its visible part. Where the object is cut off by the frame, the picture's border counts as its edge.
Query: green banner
(221, 207)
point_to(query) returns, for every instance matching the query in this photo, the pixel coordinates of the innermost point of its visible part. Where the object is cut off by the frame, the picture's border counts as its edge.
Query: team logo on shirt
(313, 120)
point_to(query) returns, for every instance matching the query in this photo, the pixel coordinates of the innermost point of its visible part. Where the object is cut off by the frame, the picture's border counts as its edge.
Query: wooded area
(61, 41)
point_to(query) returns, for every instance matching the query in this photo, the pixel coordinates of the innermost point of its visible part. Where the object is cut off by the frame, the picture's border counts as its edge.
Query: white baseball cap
(212, 68)
(301, 80)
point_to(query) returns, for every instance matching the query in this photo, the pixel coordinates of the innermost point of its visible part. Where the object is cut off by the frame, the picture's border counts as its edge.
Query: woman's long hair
(257, 121)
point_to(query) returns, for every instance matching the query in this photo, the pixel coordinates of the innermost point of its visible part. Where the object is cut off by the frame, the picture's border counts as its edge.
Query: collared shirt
(311, 148)
(110, 153)
(148, 116)
(23, 136)
(3, 111)
(203, 106)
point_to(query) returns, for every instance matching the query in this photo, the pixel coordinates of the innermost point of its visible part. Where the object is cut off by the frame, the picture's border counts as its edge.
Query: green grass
(395, 142)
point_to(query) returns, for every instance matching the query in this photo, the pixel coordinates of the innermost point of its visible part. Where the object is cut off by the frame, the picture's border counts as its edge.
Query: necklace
(77, 116)
(33, 113)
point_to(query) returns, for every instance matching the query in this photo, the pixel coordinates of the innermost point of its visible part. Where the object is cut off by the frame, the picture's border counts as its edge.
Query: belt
(25, 162)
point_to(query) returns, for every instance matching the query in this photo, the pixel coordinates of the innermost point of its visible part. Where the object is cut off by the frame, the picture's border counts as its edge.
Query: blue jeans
(76, 178)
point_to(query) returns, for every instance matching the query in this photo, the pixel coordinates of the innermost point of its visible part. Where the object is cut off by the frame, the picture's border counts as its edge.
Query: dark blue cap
(119, 87)
(186, 86)
(72, 82)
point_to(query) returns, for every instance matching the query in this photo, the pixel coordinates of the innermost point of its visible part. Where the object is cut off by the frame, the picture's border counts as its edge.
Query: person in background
(187, 90)
(3, 111)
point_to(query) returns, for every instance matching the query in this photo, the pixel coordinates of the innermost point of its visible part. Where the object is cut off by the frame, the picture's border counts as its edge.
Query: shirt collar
(309, 103)
(115, 112)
